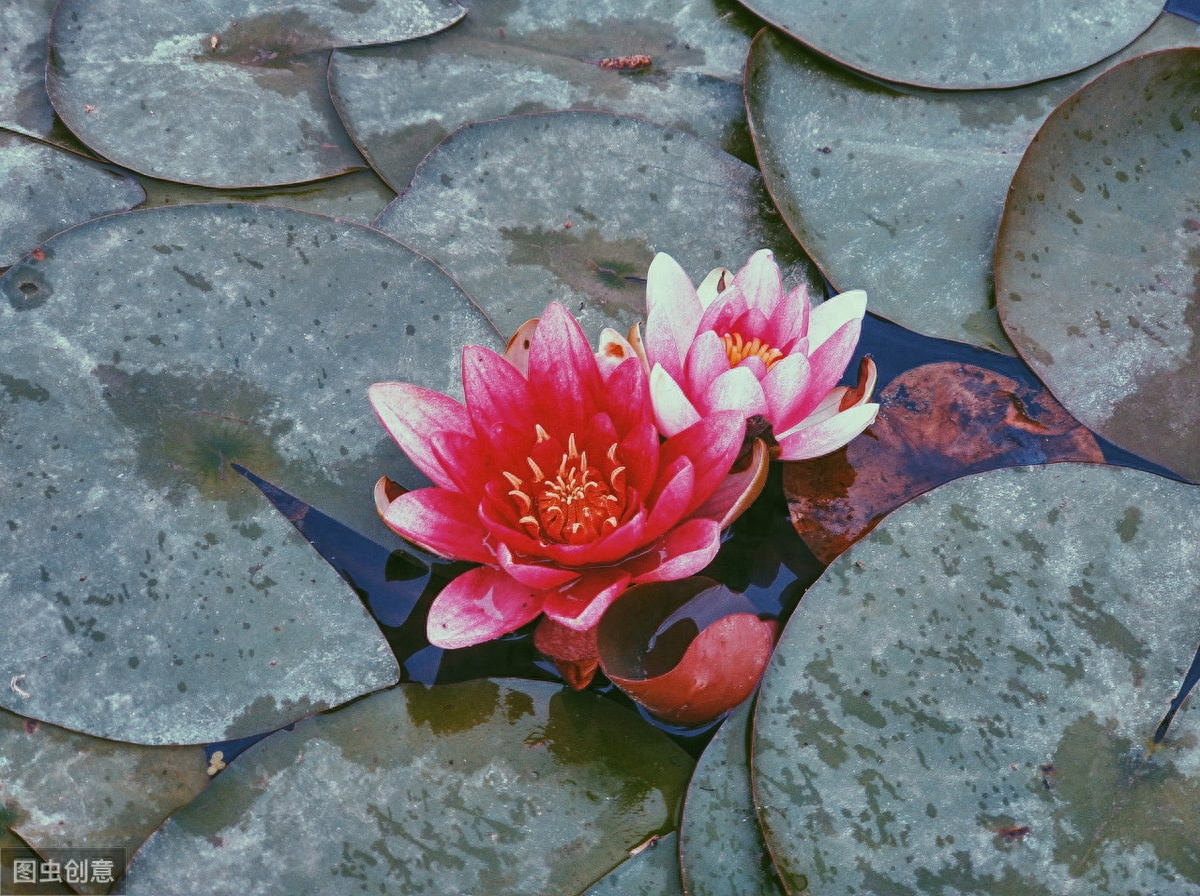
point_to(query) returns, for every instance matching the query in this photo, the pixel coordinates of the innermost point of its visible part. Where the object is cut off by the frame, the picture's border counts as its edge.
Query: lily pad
(722, 852)
(15, 849)
(676, 63)
(173, 101)
(899, 191)
(358, 196)
(936, 422)
(143, 354)
(1098, 257)
(47, 190)
(502, 786)
(964, 702)
(572, 206)
(652, 870)
(63, 789)
(964, 44)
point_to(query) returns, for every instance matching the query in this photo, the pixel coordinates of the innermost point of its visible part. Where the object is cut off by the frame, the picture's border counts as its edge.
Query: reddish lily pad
(142, 354)
(936, 423)
(689, 651)
(572, 206)
(48, 190)
(63, 789)
(172, 102)
(676, 63)
(964, 44)
(899, 191)
(965, 701)
(721, 846)
(1098, 257)
(506, 786)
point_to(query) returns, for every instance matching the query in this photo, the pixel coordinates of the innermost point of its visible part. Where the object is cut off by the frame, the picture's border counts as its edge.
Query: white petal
(831, 314)
(805, 441)
(673, 413)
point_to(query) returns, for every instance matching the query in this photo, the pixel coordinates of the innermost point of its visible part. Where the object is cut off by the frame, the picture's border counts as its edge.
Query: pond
(218, 238)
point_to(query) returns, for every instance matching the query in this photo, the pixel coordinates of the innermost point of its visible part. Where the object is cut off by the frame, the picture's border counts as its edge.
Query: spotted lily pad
(500, 786)
(679, 64)
(63, 789)
(936, 422)
(221, 93)
(572, 206)
(961, 43)
(144, 353)
(721, 845)
(48, 190)
(899, 191)
(652, 870)
(1098, 258)
(964, 702)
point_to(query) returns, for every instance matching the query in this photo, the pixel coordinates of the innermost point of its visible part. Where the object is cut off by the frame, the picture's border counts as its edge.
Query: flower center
(739, 350)
(578, 504)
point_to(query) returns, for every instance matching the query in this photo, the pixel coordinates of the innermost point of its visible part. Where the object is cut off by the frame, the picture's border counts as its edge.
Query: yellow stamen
(739, 350)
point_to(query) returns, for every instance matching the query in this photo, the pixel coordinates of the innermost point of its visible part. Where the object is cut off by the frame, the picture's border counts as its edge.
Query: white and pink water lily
(739, 342)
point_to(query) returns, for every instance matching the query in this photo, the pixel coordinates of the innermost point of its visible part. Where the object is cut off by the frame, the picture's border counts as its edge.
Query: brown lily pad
(688, 651)
(936, 423)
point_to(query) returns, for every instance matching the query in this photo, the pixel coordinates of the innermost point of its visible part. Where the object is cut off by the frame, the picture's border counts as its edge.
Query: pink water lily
(553, 476)
(740, 343)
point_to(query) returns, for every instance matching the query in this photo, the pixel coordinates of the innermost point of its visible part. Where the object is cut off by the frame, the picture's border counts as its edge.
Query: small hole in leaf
(28, 288)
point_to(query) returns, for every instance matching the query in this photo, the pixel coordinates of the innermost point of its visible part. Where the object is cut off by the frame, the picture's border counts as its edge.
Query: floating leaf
(169, 97)
(721, 846)
(17, 849)
(484, 787)
(358, 196)
(676, 63)
(963, 44)
(688, 651)
(964, 702)
(936, 423)
(899, 191)
(65, 789)
(47, 190)
(1098, 257)
(142, 353)
(572, 206)
(651, 870)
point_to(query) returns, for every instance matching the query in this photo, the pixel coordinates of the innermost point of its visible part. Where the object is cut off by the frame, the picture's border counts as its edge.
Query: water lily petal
(672, 313)
(627, 395)
(580, 606)
(441, 521)
(722, 314)
(495, 391)
(479, 605)
(672, 498)
(738, 491)
(790, 321)
(611, 350)
(712, 445)
(760, 282)
(516, 352)
(706, 360)
(834, 313)
(813, 441)
(535, 575)
(563, 375)
(672, 411)
(736, 389)
(785, 387)
(683, 551)
(717, 281)
(411, 414)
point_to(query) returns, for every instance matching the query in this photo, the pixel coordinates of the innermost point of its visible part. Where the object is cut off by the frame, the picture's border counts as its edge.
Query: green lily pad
(358, 196)
(63, 789)
(653, 870)
(24, 105)
(1098, 257)
(153, 595)
(722, 852)
(500, 786)
(48, 190)
(572, 206)
(963, 45)
(175, 101)
(16, 849)
(899, 191)
(678, 64)
(964, 701)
